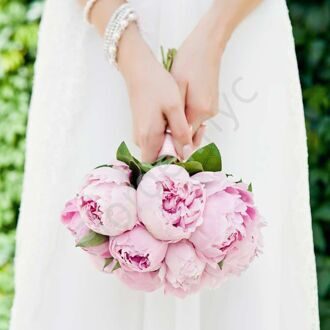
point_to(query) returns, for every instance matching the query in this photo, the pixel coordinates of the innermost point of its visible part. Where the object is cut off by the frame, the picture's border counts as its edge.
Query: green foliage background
(19, 21)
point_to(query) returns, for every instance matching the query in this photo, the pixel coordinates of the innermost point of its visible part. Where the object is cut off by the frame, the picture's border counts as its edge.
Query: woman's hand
(154, 96)
(196, 65)
(196, 71)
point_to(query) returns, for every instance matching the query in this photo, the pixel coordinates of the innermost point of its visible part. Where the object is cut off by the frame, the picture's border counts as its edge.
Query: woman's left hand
(196, 69)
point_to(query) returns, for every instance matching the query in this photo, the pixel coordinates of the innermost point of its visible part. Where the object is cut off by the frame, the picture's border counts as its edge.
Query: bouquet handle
(168, 148)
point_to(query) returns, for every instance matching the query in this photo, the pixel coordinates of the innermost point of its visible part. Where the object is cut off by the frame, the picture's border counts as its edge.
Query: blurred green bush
(18, 40)
(19, 21)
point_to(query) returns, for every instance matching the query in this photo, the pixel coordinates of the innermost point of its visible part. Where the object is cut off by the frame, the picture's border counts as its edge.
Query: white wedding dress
(80, 113)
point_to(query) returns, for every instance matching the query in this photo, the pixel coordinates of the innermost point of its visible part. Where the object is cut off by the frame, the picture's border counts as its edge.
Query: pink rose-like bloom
(213, 276)
(71, 219)
(119, 165)
(184, 270)
(147, 282)
(243, 252)
(137, 250)
(107, 202)
(230, 217)
(118, 172)
(170, 203)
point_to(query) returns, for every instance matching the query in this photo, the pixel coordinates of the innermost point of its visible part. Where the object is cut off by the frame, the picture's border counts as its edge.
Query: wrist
(220, 25)
(133, 52)
(101, 13)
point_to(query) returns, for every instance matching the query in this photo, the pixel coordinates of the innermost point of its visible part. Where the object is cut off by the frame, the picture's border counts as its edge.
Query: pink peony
(213, 276)
(107, 202)
(119, 165)
(229, 216)
(147, 282)
(242, 253)
(184, 270)
(170, 203)
(136, 250)
(71, 219)
(118, 173)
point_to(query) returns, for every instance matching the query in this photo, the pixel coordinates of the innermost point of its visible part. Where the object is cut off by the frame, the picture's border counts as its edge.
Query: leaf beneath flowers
(107, 262)
(145, 167)
(117, 265)
(136, 172)
(92, 239)
(165, 160)
(123, 154)
(104, 165)
(220, 264)
(209, 156)
(250, 187)
(192, 167)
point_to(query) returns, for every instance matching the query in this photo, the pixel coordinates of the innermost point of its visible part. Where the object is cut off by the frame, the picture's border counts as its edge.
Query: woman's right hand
(154, 96)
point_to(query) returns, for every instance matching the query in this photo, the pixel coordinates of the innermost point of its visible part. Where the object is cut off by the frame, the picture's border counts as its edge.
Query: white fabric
(79, 115)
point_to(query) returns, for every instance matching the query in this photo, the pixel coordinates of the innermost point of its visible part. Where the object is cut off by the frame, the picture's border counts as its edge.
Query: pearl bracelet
(118, 23)
(87, 10)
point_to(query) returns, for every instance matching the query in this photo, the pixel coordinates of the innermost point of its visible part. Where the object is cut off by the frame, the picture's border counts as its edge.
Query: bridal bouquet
(180, 225)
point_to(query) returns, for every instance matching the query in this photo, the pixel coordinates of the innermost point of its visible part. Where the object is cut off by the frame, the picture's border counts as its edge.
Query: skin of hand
(160, 101)
(197, 63)
(154, 94)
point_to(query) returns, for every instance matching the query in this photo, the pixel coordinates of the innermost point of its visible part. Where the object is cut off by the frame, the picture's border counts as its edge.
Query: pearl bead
(118, 23)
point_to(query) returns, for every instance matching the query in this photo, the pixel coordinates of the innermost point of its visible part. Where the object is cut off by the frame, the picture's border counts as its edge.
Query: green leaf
(104, 165)
(145, 167)
(107, 262)
(209, 156)
(220, 264)
(250, 187)
(117, 265)
(165, 160)
(136, 172)
(92, 239)
(192, 167)
(123, 154)
(137, 168)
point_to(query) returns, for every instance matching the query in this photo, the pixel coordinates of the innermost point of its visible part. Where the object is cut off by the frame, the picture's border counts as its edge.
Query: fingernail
(187, 151)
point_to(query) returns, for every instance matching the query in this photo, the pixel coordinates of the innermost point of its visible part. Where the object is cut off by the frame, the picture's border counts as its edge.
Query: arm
(197, 63)
(154, 95)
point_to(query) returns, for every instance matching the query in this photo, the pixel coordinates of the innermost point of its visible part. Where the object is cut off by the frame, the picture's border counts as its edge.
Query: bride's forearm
(130, 43)
(101, 12)
(225, 15)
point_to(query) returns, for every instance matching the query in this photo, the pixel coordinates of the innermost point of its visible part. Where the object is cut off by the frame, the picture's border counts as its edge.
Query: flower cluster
(171, 224)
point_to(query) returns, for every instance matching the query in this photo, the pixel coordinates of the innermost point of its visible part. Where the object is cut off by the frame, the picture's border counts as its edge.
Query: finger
(198, 136)
(195, 126)
(194, 120)
(151, 145)
(183, 91)
(180, 129)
